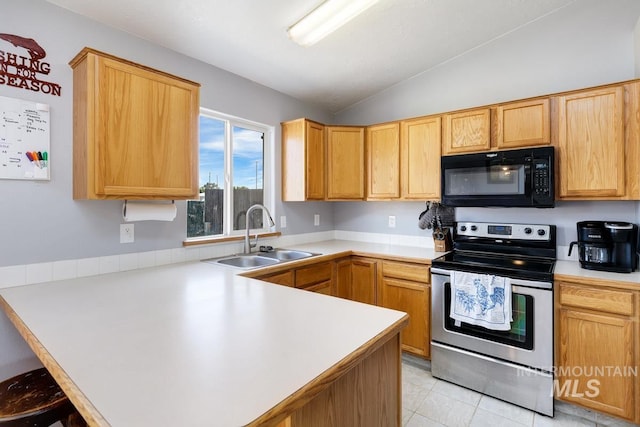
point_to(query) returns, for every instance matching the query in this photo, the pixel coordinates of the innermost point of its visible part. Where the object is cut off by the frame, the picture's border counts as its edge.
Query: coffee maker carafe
(607, 246)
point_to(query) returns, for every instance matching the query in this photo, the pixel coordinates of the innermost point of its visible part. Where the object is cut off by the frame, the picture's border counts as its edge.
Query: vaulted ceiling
(389, 43)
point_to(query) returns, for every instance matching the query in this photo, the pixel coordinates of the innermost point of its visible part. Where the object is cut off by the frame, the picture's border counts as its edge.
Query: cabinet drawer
(407, 271)
(321, 288)
(313, 274)
(284, 278)
(609, 300)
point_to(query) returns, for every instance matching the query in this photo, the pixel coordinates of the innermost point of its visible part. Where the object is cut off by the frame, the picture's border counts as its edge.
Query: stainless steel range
(513, 364)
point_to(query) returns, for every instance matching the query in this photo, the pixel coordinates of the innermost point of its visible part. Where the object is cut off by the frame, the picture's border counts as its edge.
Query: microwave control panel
(541, 180)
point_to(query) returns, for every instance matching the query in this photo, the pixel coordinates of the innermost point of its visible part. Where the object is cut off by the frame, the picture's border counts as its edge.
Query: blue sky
(247, 150)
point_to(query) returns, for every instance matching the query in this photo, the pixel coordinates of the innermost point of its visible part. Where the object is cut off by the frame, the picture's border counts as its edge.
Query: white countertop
(572, 268)
(191, 344)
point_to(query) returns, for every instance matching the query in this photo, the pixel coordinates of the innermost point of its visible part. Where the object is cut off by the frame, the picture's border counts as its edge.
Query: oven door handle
(514, 282)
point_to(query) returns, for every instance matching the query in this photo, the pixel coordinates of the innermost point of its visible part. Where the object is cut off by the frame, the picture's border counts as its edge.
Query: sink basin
(247, 261)
(287, 254)
(260, 259)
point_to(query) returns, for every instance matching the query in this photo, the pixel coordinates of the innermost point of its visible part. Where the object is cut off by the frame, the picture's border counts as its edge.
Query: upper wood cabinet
(632, 137)
(591, 144)
(467, 131)
(523, 124)
(303, 161)
(383, 161)
(420, 142)
(345, 163)
(135, 131)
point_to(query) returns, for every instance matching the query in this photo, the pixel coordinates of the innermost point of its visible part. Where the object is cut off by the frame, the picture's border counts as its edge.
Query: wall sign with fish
(23, 64)
(24, 139)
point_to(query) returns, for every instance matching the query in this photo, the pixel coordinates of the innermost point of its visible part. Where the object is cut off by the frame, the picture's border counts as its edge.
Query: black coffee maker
(607, 246)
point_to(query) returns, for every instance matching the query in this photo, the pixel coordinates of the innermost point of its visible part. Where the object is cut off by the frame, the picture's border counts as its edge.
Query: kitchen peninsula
(196, 344)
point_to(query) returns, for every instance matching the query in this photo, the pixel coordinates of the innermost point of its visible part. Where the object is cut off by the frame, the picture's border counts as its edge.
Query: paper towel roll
(147, 211)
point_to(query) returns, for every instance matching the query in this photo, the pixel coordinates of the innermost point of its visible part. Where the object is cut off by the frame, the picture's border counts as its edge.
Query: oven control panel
(507, 231)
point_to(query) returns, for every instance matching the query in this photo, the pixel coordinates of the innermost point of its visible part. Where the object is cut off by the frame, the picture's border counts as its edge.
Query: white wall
(588, 43)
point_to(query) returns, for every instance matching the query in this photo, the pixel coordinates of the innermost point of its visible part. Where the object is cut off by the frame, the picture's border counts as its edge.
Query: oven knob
(541, 232)
(528, 230)
(474, 228)
(463, 228)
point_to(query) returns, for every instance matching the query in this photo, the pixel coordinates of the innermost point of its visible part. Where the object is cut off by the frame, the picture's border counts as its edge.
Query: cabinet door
(145, 133)
(383, 161)
(343, 278)
(413, 298)
(590, 342)
(467, 131)
(345, 162)
(364, 280)
(591, 144)
(523, 124)
(420, 142)
(315, 161)
(303, 139)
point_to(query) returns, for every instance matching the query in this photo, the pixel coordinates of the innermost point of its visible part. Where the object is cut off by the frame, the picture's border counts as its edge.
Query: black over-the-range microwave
(513, 178)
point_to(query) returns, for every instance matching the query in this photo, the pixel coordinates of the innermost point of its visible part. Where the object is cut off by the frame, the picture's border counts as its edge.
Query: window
(235, 173)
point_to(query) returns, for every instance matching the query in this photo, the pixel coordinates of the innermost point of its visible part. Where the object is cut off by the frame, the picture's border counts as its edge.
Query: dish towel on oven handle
(481, 299)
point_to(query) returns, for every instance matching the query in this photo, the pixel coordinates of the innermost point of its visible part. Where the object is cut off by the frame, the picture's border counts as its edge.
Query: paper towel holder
(124, 208)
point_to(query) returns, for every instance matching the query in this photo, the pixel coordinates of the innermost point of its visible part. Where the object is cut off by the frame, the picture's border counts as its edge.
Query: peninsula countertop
(187, 344)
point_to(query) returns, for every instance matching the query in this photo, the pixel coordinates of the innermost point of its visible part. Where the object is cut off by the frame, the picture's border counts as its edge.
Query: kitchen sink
(287, 254)
(260, 259)
(247, 261)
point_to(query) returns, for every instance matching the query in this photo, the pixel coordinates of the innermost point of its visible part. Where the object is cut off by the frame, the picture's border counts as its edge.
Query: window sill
(225, 239)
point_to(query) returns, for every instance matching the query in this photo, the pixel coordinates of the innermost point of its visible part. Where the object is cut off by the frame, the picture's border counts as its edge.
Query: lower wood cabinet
(597, 338)
(282, 278)
(315, 278)
(405, 287)
(364, 280)
(397, 285)
(402, 286)
(343, 278)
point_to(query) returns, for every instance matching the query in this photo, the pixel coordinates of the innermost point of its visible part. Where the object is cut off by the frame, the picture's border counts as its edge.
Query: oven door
(530, 340)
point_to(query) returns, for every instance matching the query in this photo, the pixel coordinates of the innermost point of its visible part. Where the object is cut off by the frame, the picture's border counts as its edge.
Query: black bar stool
(34, 399)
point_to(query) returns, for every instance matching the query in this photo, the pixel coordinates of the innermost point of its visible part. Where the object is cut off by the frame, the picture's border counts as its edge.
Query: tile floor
(429, 402)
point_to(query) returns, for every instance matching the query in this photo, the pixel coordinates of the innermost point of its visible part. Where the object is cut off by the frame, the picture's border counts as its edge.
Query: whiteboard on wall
(24, 139)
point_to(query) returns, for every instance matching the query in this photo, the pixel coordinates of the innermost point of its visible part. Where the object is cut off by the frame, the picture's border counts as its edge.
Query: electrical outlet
(126, 233)
(283, 222)
(316, 219)
(392, 221)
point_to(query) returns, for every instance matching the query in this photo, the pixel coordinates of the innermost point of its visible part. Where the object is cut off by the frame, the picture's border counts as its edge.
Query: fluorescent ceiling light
(325, 19)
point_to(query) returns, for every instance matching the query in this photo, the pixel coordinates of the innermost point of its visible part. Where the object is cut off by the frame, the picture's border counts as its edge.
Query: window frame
(268, 173)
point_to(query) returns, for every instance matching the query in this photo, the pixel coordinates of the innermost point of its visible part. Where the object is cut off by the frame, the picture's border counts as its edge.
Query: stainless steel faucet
(247, 243)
